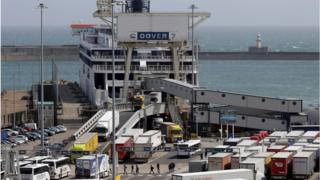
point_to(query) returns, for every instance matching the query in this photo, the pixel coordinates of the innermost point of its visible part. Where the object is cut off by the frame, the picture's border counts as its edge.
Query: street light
(42, 6)
(192, 7)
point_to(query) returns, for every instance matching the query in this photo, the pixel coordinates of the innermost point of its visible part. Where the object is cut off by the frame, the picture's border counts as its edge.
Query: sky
(223, 12)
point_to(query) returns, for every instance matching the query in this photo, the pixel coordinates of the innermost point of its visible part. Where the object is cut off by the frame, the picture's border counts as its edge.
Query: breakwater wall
(65, 52)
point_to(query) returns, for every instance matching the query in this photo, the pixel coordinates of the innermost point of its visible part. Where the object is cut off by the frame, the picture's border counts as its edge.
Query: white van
(35, 172)
(59, 167)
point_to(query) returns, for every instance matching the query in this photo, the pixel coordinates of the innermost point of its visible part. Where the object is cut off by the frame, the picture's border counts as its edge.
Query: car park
(50, 132)
(20, 130)
(16, 141)
(55, 129)
(6, 142)
(31, 136)
(39, 132)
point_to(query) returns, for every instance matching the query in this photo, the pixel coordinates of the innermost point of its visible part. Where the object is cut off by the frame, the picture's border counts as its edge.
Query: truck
(146, 144)
(281, 165)
(266, 156)
(247, 143)
(172, 131)
(124, 145)
(256, 165)
(303, 165)
(216, 175)
(219, 161)
(235, 159)
(104, 125)
(276, 148)
(86, 144)
(277, 135)
(133, 133)
(293, 136)
(86, 166)
(256, 149)
(232, 141)
(316, 154)
(198, 165)
(310, 136)
(294, 149)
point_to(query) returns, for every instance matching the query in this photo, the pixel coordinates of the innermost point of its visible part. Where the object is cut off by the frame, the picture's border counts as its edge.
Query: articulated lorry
(146, 144)
(104, 125)
(217, 175)
(86, 166)
(86, 144)
(172, 131)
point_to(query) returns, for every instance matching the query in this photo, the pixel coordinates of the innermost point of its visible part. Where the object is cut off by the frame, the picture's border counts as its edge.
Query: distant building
(258, 48)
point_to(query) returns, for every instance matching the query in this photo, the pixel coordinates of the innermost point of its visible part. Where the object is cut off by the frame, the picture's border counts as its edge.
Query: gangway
(89, 125)
(198, 95)
(149, 110)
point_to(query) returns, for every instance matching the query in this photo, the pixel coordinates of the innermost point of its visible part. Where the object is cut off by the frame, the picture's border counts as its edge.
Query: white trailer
(86, 166)
(146, 144)
(303, 165)
(294, 149)
(235, 159)
(256, 149)
(277, 135)
(310, 136)
(133, 133)
(256, 165)
(104, 125)
(247, 143)
(216, 175)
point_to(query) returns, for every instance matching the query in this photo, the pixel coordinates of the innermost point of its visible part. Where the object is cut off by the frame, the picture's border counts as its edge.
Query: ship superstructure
(146, 44)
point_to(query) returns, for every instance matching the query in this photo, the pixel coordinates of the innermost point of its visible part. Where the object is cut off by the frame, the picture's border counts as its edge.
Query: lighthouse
(258, 48)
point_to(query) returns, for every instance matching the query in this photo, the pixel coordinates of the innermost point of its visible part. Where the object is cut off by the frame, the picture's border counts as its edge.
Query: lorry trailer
(303, 165)
(172, 131)
(256, 165)
(145, 145)
(281, 165)
(219, 161)
(87, 143)
(133, 133)
(198, 165)
(216, 175)
(104, 125)
(124, 145)
(237, 158)
(86, 166)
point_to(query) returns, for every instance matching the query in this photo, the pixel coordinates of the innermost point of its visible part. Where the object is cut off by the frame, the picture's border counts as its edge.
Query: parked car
(31, 136)
(16, 141)
(46, 141)
(11, 132)
(62, 128)
(7, 142)
(20, 130)
(49, 132)
(39, 132)
(35, 134)
(22, 137)
(56, 130)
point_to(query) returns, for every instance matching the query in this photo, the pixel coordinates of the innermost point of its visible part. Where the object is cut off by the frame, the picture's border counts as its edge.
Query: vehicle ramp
(200, 95)
(89, 125)
(149, 110)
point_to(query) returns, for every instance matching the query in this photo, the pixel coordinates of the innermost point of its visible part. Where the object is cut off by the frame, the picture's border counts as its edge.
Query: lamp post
(42, 6)
(114, 174)
(192, 7)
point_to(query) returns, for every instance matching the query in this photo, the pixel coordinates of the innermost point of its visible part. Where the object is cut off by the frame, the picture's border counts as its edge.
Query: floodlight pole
(113, 99)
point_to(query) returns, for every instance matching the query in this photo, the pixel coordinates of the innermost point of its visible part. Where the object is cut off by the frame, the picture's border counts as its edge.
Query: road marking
(154, 159)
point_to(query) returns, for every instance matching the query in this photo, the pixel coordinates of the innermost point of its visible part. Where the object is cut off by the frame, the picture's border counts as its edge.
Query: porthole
(263, 100)
(202, 113)
(243, 98)
(282, 122)
(223, 95)
(294, 103)
(243, 117)
(202, 93)
(263, 120)
(283, 102)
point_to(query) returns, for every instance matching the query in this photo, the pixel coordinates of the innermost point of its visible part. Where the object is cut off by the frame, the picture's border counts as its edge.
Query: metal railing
(97, 56)
(139, 68)
(89, 125)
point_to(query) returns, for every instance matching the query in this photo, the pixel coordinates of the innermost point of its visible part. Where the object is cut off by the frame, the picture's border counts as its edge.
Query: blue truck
(86, 166)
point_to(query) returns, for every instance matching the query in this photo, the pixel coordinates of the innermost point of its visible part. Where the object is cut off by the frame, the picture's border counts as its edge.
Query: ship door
(100, 81)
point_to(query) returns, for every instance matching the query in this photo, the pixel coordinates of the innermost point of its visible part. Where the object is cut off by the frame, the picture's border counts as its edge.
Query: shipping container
(232, 141)
(198, 165)
(247, 143)
(256, 149)
(216, 175)
(293, 149)
(310, 136)
(219, 161)
(133, 133)
(303, 165)
(235, 159)
(266, 156)
(124, 146)
(276, 148)
(281, 165)
(255, 164)
(87, 142)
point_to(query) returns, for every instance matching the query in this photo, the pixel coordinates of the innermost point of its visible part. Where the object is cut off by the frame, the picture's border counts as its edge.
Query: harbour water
(295, 79)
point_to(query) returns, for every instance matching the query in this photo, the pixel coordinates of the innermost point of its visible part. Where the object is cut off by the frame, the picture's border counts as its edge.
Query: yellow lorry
(138, 102)
(172, 131)
(86, 144)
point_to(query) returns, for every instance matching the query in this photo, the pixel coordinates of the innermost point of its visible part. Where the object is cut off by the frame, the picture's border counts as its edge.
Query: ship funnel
(138, 6)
